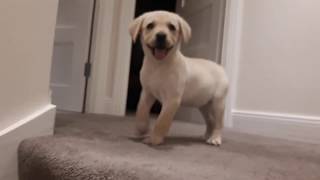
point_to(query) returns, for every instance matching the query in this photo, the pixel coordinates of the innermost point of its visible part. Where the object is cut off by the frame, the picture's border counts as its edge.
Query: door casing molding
(107, 92)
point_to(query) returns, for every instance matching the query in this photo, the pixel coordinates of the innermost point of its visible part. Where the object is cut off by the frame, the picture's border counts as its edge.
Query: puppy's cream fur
(176, 80)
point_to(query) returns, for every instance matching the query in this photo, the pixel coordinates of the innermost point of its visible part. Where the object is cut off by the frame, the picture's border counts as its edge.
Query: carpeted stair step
(93, 147)
(68, 158)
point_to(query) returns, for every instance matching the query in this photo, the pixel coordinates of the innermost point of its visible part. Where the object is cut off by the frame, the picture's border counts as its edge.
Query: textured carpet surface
(101, 147)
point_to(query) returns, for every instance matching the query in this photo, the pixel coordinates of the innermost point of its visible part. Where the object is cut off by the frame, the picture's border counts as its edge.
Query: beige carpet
(101, 147)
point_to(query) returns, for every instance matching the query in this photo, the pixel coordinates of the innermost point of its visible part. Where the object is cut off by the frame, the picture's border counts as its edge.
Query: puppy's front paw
(215, 140)
(153, 140)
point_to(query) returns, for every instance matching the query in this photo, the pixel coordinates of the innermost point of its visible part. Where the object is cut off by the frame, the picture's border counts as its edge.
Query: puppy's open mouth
(159, 53)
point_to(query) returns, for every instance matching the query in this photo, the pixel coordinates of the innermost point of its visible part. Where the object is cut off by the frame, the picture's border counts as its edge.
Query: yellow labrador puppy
(174, 79)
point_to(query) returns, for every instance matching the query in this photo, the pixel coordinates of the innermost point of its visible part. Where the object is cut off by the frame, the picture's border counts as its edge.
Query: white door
(206, 18)
(70, 53)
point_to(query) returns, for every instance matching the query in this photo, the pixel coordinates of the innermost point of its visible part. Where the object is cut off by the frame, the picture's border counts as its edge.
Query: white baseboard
(285, 126)
(38, 123)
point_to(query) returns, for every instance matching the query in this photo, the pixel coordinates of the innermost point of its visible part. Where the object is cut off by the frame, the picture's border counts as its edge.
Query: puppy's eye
(150, 26)
(171, 27)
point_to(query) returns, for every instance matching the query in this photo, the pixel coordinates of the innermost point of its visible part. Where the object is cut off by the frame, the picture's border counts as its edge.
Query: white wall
(26, 43)
(276, 60)
(25, 57)
(280, 58)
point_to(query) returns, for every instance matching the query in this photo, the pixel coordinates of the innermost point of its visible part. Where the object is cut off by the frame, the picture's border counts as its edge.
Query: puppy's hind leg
(215, 111)
(143, 112)
(209, 122)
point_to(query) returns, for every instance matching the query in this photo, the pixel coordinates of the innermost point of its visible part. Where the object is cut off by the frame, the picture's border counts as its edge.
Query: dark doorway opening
(134, 87)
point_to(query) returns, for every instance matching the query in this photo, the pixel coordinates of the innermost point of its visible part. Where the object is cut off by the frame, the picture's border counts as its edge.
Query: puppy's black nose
(161, 36)
(161, 39)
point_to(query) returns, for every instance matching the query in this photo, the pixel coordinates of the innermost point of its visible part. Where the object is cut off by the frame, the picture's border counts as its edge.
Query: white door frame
(107, 90)
(112, 51)
(231, 52)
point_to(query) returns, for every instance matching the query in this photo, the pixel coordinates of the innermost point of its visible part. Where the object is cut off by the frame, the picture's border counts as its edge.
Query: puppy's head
(160, 33)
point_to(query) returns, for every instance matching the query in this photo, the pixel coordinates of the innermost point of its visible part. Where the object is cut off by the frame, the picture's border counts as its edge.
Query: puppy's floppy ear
(135, 27)
(185, 30)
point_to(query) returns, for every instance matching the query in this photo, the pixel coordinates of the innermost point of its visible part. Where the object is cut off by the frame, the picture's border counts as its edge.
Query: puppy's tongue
(160, 53)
